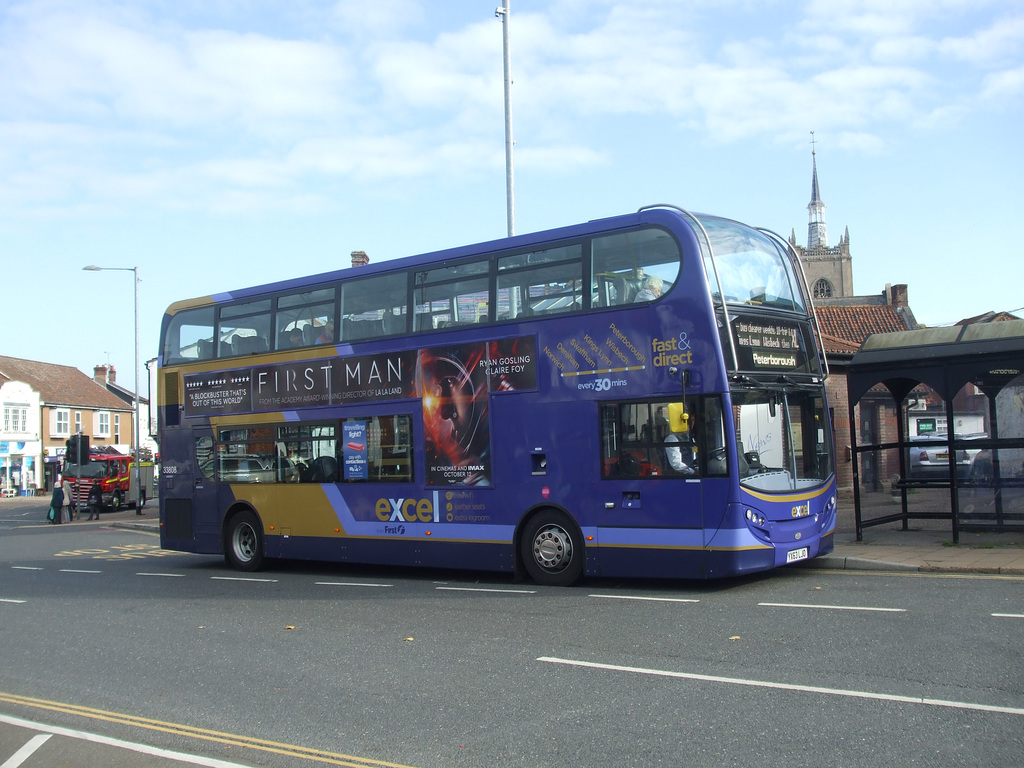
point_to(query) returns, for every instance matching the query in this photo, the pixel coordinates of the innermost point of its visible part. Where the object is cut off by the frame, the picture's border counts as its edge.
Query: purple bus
(638, 396)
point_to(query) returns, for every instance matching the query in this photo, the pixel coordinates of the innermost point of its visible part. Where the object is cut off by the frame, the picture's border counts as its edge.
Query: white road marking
(27, 751)
(655, 599)
(207, 762)
(1009, 615)
(487, 589)
(789, 687)
(168, 575)
(836, 607)
(76, 570)
(240, 578)
(349, 584)
(26, 568)
(9, 600)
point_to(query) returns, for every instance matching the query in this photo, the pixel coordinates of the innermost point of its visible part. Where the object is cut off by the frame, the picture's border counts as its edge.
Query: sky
(220, 144)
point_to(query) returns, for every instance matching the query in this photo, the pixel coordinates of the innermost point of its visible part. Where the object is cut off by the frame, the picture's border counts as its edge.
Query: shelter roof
(987, 354)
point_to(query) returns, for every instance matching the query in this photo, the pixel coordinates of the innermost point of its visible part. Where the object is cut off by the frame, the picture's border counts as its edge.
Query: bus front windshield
(752, 268)
(785, 438)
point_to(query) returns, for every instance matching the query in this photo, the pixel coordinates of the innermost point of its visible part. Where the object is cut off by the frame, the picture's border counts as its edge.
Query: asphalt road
(104, 634)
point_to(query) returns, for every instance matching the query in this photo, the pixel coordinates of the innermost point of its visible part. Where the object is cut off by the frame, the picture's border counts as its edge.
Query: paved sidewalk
(926, 551)
(927, 546)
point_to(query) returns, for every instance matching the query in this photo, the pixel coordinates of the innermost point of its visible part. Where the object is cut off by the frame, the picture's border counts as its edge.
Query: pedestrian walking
(57, 505)
(95, 501)
(69, 498)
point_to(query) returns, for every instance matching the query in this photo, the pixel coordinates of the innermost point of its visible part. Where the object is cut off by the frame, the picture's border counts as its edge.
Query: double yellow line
(203, 734)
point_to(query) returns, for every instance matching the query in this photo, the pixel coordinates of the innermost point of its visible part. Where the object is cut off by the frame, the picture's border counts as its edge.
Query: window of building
(117, 428)
(102, 424)
(63, 422)
(823, 289)
(15, 419)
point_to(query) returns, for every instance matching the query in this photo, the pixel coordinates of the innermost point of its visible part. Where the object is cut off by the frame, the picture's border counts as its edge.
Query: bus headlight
(755, 518)
(829, 512)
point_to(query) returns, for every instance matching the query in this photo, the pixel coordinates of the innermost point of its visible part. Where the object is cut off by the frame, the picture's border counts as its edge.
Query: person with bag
(69, 498)
(95, 501)
(56, 505)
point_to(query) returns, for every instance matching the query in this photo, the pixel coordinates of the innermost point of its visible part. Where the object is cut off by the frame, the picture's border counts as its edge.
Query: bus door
(188, 493)
(652, 449)
(204, 489)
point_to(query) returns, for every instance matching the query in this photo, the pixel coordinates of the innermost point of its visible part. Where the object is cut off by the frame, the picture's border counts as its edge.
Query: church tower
(829, 270)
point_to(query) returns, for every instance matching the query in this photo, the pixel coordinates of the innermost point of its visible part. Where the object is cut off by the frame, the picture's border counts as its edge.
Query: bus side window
(190, 336)
(373, 307)
(622, 263)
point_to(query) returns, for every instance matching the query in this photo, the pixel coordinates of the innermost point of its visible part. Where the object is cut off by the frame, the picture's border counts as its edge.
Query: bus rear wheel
(552, 549)
(244, 545)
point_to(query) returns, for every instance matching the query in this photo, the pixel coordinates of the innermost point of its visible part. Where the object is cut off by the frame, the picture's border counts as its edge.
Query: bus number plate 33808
(796, 554)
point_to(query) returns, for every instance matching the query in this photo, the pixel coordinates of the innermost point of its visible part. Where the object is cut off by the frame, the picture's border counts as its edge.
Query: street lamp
(504, 13)
(138, 463)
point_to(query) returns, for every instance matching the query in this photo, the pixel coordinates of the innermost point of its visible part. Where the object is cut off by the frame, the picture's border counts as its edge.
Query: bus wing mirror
(684, 378)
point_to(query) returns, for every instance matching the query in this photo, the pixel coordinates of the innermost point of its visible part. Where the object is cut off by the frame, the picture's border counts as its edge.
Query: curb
(839, 563)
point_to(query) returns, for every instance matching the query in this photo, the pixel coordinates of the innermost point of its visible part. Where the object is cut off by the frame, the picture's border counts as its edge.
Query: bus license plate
(796, 554)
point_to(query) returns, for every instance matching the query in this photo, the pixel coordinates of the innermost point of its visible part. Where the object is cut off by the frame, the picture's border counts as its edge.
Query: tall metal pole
(504, 13)
(138, 455)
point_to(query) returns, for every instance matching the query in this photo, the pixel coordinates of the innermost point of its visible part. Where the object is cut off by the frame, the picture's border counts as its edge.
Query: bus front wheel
(244, 550)
(552, 549)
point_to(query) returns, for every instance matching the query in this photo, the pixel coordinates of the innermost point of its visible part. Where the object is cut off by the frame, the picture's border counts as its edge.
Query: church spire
(817, 236)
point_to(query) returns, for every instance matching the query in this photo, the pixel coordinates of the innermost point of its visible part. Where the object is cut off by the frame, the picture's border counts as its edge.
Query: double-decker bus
(637, 396)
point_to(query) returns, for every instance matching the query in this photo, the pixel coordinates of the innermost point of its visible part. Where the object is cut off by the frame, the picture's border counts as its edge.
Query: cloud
(113, 105)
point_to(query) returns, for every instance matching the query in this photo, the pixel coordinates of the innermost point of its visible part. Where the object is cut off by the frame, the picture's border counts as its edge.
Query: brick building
(43, 404)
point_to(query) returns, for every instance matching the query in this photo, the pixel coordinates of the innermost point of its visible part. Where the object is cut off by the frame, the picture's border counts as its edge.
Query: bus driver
(681, 454)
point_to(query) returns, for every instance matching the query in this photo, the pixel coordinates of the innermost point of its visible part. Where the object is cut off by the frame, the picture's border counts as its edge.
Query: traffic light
(78, 449)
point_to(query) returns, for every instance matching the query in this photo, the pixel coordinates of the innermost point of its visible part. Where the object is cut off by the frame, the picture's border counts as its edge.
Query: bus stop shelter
(991, 357)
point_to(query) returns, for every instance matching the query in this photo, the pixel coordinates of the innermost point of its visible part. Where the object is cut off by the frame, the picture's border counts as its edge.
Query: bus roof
(660, 214)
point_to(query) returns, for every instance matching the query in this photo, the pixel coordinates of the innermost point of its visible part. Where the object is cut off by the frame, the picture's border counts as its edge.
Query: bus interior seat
(393, 323)
(204, 349)
(632, 288)
(309, 334)
(324, 469)
(249, 345)
(619, 290)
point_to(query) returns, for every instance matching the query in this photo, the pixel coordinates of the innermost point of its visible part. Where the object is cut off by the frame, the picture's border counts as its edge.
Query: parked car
(245, 469)
(929, 457)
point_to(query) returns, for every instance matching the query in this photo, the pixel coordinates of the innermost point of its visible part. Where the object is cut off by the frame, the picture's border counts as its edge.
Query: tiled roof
(834, 345)
(60, 384)
(854, 323)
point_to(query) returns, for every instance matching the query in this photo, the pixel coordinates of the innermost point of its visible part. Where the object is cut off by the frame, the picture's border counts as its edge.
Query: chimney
(899, 295)
(360, 259)
(111, 375)
(99, 375)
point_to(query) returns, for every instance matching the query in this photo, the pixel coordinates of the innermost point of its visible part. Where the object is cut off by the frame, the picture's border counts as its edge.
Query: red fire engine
(113, 472)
